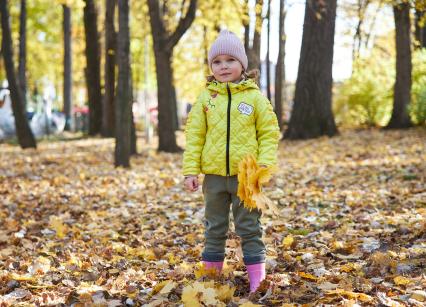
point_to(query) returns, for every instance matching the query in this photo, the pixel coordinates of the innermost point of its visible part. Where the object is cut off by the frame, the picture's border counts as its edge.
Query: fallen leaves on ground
(351, 227)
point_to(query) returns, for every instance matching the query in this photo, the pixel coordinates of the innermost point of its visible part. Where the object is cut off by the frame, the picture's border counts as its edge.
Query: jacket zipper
(228, 129)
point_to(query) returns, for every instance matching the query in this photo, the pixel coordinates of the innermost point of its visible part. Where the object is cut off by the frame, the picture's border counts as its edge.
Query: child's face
(226, 68)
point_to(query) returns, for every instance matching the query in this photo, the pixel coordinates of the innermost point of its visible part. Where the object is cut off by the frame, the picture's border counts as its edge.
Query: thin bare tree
(280, 68)
(253, 49)
(420, 23)
(268, 64)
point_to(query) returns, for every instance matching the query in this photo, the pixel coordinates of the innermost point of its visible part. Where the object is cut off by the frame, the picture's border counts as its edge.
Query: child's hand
(191, 183)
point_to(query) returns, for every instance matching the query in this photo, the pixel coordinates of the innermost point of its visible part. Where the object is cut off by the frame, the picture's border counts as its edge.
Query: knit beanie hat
(228, 43)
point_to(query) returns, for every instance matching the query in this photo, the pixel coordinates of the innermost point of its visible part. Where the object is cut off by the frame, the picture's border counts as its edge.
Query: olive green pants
(219, 193)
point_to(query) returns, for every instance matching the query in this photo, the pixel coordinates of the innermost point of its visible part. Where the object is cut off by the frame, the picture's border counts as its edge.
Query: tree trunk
(373, 23)
(246, 24)
(22, 65)
(164, 43)
(123, 98)
(110, 62)
(402, 89)
(23, 131)
(92, 71)
(312, 115)
(362, 6)
(67, 67)
(268, 64)
(166, 102)
(420, 32)
(206, 52)
(280, 68)
(133, 136)
(253, 52)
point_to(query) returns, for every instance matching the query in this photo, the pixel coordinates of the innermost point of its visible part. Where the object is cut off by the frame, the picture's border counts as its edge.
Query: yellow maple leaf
(184, 267)
(58, 226)
(337, 245)
(74, 260)
(249, 304)
(401, 281)
(364, 297)
(419, 295)
(145, 253)
(201, 271)
(191, 296)
(40, 265)
(352, 295)
(173, 259)
(288, 241)
(307, 276)
(25, 277)
(199, 292)
(225, 293)
(349, 267)
(163, 287)
(209, 297)
(168, 287)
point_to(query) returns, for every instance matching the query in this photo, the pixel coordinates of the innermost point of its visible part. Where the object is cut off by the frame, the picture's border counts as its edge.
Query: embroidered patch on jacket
(211, 104)
(245, 108)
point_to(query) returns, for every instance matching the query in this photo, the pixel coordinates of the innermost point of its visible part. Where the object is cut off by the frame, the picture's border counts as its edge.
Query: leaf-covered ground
(74, 230)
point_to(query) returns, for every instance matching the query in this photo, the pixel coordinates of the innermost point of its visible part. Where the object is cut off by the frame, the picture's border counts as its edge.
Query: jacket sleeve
(195, 133)
(267, 132)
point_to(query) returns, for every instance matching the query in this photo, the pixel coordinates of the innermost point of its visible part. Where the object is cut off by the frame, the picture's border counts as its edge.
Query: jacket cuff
(191, 172)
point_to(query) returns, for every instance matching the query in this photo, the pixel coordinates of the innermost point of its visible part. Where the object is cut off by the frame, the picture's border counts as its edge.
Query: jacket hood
(220, 87)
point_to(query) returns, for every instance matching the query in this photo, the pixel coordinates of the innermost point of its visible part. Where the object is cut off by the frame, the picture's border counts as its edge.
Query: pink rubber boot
(256, 273)
(214, 264)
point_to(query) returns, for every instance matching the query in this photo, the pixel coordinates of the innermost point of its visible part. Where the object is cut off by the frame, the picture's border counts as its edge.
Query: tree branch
(157, 24)
(184, 24)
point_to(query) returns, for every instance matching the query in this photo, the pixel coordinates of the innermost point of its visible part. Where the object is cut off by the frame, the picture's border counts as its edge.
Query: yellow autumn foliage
(202, 293)
(201, 271)
(288, 241)
(401, 281)
(351, 295)
(57, 224)
(307, 276)
(251, 178)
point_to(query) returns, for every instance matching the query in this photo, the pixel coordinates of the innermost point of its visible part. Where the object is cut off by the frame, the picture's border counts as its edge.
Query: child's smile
(226, 68)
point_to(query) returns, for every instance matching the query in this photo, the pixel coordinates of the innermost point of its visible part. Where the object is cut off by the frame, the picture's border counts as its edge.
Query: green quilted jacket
(227, 122)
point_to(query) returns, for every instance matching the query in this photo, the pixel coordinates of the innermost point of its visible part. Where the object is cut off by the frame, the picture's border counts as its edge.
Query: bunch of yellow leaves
(251, 178)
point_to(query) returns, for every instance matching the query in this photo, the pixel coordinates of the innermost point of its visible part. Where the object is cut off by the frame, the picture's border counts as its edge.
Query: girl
(230, 119)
